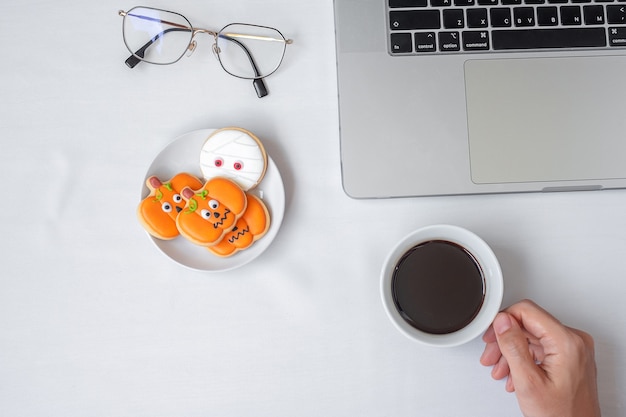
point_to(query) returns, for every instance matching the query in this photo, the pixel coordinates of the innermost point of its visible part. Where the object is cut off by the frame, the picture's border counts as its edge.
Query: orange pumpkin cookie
(158, 212)
(211, 212)
(254, 223)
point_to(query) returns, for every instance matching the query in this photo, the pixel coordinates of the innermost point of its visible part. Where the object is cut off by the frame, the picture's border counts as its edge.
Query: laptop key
(401, 43)
(464, 2)
(477, 18)
(594, 15)
(548, 38)
(414, 19)
(425, 42)
(547, 16)
(408, 3)
(500, 17)
(475, 40)
(453, 19)
(616, 14)
(617, 36)
(449, 41)
(524, 16)
(570, 15)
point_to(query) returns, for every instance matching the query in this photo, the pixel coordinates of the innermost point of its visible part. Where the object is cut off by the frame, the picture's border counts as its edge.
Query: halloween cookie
(236, 154)
(211, 211)
(254, 223)
(159, 210)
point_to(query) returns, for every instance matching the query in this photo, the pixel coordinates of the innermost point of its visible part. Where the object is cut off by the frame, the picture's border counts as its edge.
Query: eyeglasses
(244, 51)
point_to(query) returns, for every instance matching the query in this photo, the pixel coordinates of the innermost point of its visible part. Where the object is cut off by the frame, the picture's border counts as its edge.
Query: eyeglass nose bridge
(193, 44)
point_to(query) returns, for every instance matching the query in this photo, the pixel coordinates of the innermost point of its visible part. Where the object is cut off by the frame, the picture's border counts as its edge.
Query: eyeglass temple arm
(257, 83)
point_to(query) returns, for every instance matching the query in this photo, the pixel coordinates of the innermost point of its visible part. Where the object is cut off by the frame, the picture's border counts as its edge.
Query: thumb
(513, 345)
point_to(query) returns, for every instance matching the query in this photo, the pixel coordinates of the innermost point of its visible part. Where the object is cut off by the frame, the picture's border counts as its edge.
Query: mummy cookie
(252, 226)
(211, 212)
(158, 212)
(236, 154)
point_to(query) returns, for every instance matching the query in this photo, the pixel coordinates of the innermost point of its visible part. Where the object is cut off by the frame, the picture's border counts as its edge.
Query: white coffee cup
(485, 259)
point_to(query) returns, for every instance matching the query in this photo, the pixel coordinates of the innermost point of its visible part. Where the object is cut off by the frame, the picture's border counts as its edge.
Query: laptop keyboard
(421, 27)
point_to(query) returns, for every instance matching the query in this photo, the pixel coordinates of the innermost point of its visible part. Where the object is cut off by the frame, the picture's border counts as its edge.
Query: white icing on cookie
(235, 154)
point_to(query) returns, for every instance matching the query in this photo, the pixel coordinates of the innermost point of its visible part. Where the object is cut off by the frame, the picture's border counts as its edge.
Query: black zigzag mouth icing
(220, 222)
(239, 234)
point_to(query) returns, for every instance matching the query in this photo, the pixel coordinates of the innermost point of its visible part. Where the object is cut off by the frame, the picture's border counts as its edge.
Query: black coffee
(438, 287)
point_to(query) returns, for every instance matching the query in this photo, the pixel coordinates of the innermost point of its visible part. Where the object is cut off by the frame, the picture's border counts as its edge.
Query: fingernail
(502, 323)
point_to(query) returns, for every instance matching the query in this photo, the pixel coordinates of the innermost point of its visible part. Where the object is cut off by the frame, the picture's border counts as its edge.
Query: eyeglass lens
(156, 36)
(249, 51)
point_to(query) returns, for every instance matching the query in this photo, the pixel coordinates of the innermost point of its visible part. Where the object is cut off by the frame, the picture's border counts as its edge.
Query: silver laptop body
(471, 121)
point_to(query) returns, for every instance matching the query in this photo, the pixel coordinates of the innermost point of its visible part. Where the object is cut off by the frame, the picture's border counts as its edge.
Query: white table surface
(95, 321)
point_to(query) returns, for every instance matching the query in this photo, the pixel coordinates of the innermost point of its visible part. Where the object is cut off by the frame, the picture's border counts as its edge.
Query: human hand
(550, 367)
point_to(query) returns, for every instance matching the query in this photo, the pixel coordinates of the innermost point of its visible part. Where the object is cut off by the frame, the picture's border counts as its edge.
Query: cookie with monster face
(157, 212)
(236, 154)
(211, 212)
(249, 228)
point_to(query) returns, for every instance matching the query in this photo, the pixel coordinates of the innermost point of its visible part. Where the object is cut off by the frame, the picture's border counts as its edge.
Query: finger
(489, 336)
(586, 338)
(537, 351)
(501, 369)
(491, 355)
(536, 321)
(509, 386)
(514, 347)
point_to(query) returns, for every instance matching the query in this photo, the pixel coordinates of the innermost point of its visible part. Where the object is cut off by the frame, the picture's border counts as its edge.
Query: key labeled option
(449, 41)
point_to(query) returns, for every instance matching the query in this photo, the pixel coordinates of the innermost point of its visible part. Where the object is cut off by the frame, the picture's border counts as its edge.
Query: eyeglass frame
(257, 81)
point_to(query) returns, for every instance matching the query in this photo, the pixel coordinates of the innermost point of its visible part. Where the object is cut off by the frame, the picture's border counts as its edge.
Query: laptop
(447, 97)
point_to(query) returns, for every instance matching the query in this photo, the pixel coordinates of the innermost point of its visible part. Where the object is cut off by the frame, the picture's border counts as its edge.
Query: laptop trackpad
(546, 119)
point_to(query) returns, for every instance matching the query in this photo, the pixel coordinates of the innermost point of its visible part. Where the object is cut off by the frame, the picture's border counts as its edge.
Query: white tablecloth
(96, 321)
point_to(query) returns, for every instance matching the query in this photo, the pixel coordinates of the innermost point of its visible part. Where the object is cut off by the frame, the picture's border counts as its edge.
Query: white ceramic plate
(183, 155)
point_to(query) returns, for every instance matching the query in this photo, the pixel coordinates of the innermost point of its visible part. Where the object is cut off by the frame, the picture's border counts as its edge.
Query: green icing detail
(193, 206)
(168, 186)
(202, 194)
(158, 195)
